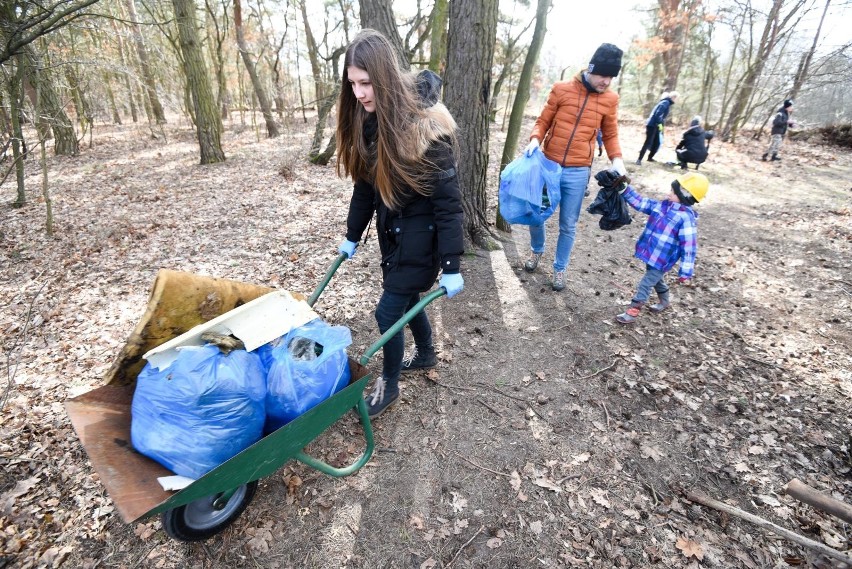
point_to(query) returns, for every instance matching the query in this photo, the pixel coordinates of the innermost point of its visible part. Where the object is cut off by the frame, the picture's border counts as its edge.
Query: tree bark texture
(208, 124)
(438, 41)
(674, 25)
(131, 95)
(145, 66)
(65, 139)
(522, 94)
(259, 91)
(15, 100)
(325, 108)
(217, 55)
(378, 15)
(467, 91)
(313, 55)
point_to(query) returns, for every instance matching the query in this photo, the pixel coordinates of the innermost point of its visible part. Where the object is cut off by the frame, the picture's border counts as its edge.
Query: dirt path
(548, 436)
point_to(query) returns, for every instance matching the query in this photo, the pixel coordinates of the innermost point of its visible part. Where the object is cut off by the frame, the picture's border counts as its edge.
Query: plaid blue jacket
(670, 234)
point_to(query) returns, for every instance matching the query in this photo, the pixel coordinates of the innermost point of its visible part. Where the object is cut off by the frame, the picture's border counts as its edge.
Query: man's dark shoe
(775, 158)
(764, 157)
(427, 359)
(381, 398)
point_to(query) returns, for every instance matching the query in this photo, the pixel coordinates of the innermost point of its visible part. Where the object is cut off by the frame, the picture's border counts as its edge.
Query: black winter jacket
(424, 236)
(692, 148)
(780, 122)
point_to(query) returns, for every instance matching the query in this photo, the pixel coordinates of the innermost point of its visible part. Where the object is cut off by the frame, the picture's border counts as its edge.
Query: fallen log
(823, 502)
(767, 525)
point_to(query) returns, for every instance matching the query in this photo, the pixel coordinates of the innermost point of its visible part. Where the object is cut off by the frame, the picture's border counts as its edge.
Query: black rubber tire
(199, 520)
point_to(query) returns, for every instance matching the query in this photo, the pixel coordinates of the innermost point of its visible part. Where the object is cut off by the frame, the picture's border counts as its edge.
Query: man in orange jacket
(566, 129)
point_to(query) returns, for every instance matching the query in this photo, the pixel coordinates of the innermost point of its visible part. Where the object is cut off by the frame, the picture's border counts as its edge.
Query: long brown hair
(405, 128)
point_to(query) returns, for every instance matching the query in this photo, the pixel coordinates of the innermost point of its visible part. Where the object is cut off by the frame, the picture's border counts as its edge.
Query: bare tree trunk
(805, 64)
(65, 139)
(131, 94)
(259, 91)
(81, 104)
(470, 53)
(45, 187)
(509, 57)
(438, 41)
(378, 15)
(313, 55)
(144, 65)
(674, 28)
(773, 31)
(314, 154)
(522, 94)
(15, 100)
(216, 47)
(208, 124)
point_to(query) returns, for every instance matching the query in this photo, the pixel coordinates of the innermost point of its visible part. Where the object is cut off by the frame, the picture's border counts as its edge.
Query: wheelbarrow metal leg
(355, 466)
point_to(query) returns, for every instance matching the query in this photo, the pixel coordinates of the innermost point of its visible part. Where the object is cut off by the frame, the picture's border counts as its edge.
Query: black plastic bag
(612, 208)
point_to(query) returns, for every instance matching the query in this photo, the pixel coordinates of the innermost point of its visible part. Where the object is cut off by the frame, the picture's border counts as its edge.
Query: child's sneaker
(629, 316)
(381, 398)
(427, 359)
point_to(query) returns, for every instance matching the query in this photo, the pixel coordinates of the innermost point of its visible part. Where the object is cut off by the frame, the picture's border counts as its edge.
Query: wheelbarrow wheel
(201, 519)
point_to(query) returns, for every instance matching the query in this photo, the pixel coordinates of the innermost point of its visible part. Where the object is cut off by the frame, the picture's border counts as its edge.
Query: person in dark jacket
(655, 124)
(694, 145)
(398, 144)
(779, 128)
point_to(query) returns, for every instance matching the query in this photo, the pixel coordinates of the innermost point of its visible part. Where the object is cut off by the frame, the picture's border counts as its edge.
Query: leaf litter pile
(547, 436)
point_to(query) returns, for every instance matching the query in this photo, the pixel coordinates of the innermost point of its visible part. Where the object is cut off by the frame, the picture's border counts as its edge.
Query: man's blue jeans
(654, 278)
(572, 187)
(392, 306)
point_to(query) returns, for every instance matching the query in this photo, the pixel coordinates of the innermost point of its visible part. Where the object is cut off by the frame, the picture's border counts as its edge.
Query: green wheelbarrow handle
(400, 324)
(327, 278)
(363, 413)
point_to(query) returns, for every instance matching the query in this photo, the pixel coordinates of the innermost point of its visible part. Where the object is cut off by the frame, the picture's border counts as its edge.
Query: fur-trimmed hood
(436, 122)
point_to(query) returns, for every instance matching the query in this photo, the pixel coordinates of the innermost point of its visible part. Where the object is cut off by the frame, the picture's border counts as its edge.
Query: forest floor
(548, 435)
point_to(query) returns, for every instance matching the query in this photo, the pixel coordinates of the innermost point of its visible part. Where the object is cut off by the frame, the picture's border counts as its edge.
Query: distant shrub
(841, 135)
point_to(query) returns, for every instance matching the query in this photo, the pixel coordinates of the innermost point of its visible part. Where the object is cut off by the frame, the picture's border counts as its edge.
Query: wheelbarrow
(179, 302)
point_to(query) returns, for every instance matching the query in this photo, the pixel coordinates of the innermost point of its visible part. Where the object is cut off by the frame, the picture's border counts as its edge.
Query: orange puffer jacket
(573, 113)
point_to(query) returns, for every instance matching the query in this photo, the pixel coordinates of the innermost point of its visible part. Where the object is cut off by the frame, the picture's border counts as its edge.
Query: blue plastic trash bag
(529, 189)
(308, 365)
(200, 411)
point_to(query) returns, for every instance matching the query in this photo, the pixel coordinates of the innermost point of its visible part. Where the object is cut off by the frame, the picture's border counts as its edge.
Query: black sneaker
(420, 361)
(381, 398)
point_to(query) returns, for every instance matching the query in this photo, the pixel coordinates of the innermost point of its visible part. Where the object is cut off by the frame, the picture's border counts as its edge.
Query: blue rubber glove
(453, 284)
(347, 247)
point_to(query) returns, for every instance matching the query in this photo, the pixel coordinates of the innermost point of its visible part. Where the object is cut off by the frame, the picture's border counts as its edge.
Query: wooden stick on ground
(453, 560)
(823, 502)
(767, 525)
